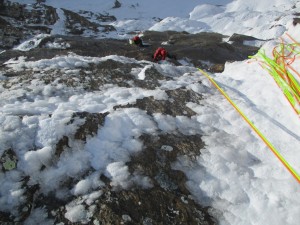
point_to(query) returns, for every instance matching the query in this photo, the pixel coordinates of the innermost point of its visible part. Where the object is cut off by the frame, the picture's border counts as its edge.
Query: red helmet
(136, 38)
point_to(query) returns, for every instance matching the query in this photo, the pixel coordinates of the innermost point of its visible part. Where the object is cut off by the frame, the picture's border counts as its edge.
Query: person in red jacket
(160, 54)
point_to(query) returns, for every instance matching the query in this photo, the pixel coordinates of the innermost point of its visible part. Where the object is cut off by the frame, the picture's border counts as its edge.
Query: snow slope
(261, 19)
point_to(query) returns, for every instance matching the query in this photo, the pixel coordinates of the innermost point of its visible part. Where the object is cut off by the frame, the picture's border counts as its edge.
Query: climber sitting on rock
(137, 41)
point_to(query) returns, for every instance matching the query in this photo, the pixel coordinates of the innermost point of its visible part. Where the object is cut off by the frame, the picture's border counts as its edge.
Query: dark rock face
(117, 4)
(195, 48)
(23, 22)
(200, 47)
(77, 24)
(296, 21)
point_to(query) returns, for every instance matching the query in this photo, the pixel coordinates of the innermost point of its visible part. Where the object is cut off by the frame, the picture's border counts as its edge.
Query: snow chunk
(119, 174)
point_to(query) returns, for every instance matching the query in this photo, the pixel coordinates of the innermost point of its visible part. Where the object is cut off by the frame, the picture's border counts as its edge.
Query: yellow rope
(271, 147)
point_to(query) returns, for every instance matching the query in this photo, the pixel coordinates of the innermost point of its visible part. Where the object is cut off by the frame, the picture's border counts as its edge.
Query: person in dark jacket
(137, 41)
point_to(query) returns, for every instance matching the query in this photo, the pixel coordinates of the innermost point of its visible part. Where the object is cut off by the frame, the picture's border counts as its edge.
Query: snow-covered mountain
(94, 132)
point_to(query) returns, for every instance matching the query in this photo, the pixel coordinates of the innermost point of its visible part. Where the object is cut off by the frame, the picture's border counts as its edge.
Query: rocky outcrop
(77, 24)
(18, 23)
(117, 4)
(296, 21)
